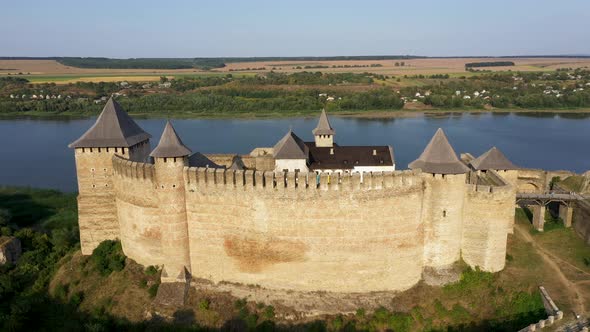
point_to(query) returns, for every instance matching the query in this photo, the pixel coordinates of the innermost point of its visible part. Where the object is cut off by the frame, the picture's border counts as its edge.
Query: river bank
(368, 114)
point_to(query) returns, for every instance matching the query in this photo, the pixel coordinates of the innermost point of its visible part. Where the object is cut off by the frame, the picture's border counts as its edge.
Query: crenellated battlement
(132, 169)
(495, 183)
(269, 180)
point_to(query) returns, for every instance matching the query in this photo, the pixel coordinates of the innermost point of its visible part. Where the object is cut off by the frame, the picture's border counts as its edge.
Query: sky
(222, 28)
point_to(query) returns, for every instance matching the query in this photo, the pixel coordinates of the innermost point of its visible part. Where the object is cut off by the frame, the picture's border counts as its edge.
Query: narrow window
(98, 150)
(83, 150)
(165, 159)
(444, 213)
(116, 149)
(90, 149)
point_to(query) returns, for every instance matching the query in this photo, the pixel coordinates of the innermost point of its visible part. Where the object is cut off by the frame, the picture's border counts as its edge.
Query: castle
(304, 216)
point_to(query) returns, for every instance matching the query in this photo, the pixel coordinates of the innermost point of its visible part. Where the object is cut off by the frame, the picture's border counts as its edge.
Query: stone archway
(528, 187)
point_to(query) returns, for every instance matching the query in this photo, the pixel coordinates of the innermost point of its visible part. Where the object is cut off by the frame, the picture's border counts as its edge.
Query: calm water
(34, 152)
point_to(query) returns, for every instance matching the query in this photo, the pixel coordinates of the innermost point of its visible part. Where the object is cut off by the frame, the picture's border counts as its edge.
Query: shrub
(77, 298)
(360, 312)
(269, 312)
(61, 292)
(153, 290)
(204, 304)
(151, 270)
(108, 257)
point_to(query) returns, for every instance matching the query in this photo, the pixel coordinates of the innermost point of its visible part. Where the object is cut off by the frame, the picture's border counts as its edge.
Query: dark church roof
(348, 157)
(170, 144)
(492, 159)
(324, 127)
(439, 157)
(291, 147)
(113, 128)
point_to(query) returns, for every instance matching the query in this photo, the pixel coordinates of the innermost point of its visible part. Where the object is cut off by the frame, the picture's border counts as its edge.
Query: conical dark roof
(439, 157)
(323, 127)
(170, 144)
(492, 159)
(113, 128)
(291, 147)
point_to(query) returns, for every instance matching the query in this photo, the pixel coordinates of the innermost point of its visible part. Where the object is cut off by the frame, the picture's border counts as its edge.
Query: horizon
(262, 28)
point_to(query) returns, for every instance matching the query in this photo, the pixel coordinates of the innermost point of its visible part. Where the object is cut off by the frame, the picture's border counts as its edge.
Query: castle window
(107, 149)
(98, 150)
(116, 149)
(444, 213)
(93, 186)
(90, 149)
(165, 159)
(123, 150)
(83, 150)
(174, 159)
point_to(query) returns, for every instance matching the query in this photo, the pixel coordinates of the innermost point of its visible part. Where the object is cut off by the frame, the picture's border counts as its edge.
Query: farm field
(47, 71)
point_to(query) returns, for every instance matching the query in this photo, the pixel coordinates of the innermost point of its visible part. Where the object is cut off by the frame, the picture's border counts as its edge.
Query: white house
(323, 155)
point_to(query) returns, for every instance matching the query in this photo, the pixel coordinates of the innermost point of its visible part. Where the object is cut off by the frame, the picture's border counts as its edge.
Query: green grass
(573, 183)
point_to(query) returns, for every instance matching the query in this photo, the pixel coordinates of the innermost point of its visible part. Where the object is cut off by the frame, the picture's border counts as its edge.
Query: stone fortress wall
(291, 231)
(238, 220)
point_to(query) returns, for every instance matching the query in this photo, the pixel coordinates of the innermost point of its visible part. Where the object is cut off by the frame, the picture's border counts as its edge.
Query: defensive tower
(113, 133)
(170, 158)
(443, 200)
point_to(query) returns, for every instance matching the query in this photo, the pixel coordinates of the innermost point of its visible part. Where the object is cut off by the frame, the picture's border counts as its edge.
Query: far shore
(376, 114)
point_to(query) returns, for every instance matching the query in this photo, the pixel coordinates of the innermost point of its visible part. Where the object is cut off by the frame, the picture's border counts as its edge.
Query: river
(34, 152)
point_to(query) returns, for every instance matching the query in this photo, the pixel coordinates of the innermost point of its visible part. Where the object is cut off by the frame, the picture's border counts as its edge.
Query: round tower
(170, 158)
(442, 210)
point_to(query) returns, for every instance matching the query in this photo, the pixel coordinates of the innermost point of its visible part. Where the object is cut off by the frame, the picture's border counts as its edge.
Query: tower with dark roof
(113, 134)
(323, 132)
(493, 159)
(170, 158)
(444, 195)
(439, 157)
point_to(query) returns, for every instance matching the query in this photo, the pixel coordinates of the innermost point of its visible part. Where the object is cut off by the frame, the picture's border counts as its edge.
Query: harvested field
(52, 71)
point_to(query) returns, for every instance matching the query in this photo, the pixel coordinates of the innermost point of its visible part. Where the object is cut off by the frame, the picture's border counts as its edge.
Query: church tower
(170, 158)
(113, 133)
(323, 133)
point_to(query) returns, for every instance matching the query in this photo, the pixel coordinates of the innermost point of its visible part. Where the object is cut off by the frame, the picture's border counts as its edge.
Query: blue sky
(169, 28)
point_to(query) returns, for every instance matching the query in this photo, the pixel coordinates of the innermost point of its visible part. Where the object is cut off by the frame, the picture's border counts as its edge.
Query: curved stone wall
(138, 211)
(305, 232)
(338, 235)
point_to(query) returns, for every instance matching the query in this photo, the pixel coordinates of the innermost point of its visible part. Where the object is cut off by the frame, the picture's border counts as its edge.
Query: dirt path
(569, 286)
